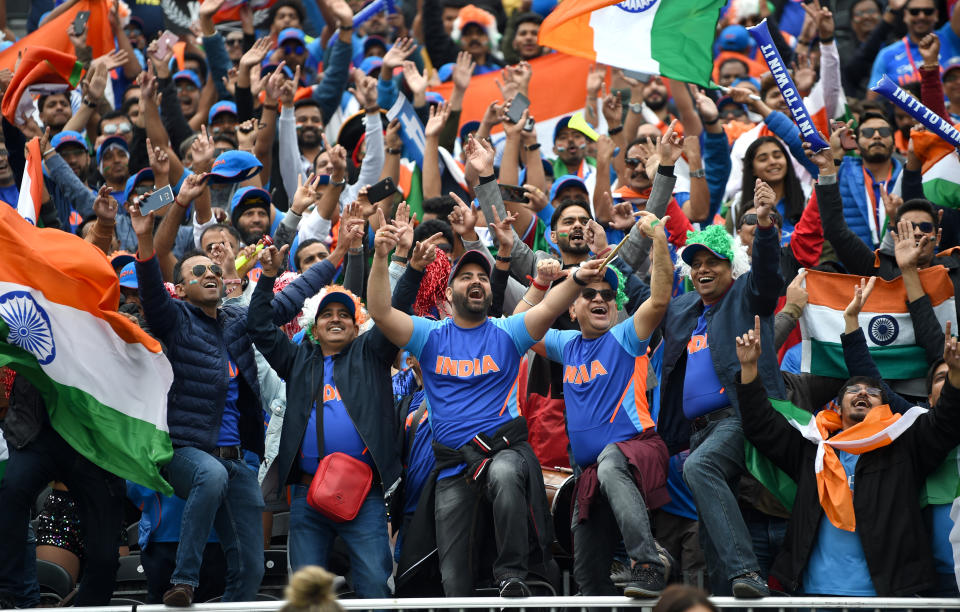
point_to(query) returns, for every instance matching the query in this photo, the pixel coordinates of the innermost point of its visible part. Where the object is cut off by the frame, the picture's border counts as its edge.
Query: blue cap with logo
(68, 137)
(224, 106)
(113, 142)
(234, 167)
(189, 75)
(128, 276)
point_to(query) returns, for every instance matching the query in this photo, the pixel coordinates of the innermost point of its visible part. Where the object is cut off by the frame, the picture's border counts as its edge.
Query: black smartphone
(381, 191)
(518, 104)
(80, 22)
(158, 199)
(513, 193)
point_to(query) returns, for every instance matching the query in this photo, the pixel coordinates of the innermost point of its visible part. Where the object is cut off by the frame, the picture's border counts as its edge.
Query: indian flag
(884, 320)
(31, 187)
(104, 380)
(941, 168)
(671, 38)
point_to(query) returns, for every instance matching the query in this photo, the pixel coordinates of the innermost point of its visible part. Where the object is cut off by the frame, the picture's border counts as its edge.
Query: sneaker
(646, 581)
(180, 596)
(514, 587)
(750, 586)
(620, 574)
(667, 560)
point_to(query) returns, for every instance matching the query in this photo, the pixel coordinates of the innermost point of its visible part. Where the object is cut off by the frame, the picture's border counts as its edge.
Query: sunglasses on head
(922, 11)
(201, 269)
(854, 389)
(607, 295)
(293, 49)
(868, 132)
(113, 128)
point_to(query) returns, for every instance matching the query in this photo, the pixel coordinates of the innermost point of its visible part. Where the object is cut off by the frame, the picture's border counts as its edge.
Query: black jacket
(362, 375)
(889, 481)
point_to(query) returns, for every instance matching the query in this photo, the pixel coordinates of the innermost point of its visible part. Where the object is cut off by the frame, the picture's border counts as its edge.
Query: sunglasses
(866, 12)
(632, 162)
(113, 128)
(929, 12)
(924, 226)
(751, 218)
(868, 132)
(201, 269)
(854, 389)
(293, 49)
(234, 42)
(607, 295)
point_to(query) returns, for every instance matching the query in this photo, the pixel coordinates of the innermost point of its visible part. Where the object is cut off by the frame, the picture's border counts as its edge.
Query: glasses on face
(293, 49)
(632, 162)
(186, 86)
(234, 42)
(915, 12)
(854, 389)
(867, 12)
(924, 226)
(751, 218)
(868, 132)
(606, 295)
(113, 128)
(201, 269)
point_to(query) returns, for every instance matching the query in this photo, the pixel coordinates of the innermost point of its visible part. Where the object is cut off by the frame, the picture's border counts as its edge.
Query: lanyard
(906, 45)
(869, 183)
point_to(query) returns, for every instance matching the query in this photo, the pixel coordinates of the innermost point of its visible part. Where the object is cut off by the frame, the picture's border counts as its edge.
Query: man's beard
(251, 236)
(463, 307)
(564, 245)
(308, 137)
(656, 105)
(875, 158)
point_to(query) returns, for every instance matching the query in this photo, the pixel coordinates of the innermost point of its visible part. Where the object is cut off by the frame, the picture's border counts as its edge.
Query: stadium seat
(53, 579)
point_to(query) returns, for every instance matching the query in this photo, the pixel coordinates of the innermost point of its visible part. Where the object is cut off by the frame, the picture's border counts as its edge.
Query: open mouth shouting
(476, 292)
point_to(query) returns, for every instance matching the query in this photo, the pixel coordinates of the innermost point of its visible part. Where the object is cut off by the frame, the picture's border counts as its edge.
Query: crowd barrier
(495, 604)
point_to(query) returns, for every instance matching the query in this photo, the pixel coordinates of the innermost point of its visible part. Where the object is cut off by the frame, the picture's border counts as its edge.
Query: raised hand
(765, 199)
(274, 84)
(596, 237)
(97, 82)
(595, 79)
(670, 145)
(650, 225)
(549, 270)
(796, 292)
(804, 74)
(159, 162)
(907, 248)
(415, 81)
(706, 106)
(365, 91)
(105, 205)
(401, 50)
(255, 55)
(386, 238)
(404, 225)
(951, 356)
(247, 134)
(929, 47)
(463, 70)
(891, 202)
(463, 219)
(623, 216)
(306, 194)
(860, 295)
(425, 252)
(202, 151)
(439, 113)
(749, 347)
(503, 230)
(479, 155)
(590, 271)
(142, 224)
(192, 187)
(822, 158)
(612, 109)
(272, 258)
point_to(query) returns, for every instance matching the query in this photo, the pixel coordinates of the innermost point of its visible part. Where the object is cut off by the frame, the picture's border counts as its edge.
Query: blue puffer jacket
(856, 205)
(753, 293)
(198, 347)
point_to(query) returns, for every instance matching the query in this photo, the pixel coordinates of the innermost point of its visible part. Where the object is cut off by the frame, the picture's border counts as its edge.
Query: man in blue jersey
(471, 374)
(699, 407)
(901, 60)
(612, 435)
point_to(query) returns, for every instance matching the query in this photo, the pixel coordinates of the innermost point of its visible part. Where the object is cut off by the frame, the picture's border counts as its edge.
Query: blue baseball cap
(291, 34)
(246, 198)
(467, 128)
(472, 256)
(567, 180)
(111, 143)
(190, 75)
(128, 276)
(611, 277)
(369, 64)
(234, 167)
(144, 175)
(749, 79)
(434, 98)
(224, 106)
(374, 41)
(445, 72)
(68, 137)
(734, 38)
(339, 297)
(695, 247)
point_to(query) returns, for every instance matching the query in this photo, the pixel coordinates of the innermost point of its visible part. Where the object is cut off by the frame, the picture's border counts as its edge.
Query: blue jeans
(312, 534)
(223, 494)
(767, 534)
(712, 469)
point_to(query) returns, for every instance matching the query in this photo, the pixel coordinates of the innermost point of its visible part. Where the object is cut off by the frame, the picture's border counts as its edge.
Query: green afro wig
(714, 237)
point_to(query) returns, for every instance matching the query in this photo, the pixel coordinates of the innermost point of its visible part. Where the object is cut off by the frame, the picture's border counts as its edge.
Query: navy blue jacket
(753, 293)
(198, 347)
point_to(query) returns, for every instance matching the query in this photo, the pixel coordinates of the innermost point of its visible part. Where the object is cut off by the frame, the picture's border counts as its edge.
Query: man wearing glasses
(612, 434)
(901, 60)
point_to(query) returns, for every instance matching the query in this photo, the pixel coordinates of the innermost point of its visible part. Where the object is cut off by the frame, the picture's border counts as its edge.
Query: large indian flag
(104, 380)
(885, 322)
(672, 38)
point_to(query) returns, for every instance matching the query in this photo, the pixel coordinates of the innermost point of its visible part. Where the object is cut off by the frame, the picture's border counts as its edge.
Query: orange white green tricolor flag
(104, 380)
(941, 168)
(884, 319)
(31, 187)
(672, 38)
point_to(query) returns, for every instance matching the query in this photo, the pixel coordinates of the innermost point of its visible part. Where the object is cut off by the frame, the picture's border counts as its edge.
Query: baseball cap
(473, 256)
(611, 278)
(374, 41)
(128, 276)
(246, 198)
(434, 98)
(113, 142)
(121, 258)
(692, 249)
(234, 167)
(341, 297)
(369, 64)
(144, 175)
(291, 34)
(224, 106)
(748, 79)
(467, 128)
(578, 123)
(189, 75)
(729, 101)
(734, 38)
(68, 137)
(951, 64)
(567, 180)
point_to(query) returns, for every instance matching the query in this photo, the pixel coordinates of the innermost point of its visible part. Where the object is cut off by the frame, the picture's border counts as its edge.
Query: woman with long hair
(767, 159)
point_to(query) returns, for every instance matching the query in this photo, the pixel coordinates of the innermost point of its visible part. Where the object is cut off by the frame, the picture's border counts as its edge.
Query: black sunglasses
(924, 226)
(751, 219)
(606, 295)
(233, 42)
(922, 11)
(632, 162)
(200, 269)
(868, 132)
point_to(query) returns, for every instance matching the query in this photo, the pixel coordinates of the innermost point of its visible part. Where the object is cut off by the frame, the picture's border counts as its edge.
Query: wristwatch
(636, 107)
(699, 173)
(576, 279)
(338, 183)
(532, 147)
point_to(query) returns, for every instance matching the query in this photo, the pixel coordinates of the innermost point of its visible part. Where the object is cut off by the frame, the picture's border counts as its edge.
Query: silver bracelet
(529, 303)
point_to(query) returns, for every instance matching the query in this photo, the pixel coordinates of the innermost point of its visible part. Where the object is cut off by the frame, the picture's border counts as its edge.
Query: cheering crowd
(466, 350)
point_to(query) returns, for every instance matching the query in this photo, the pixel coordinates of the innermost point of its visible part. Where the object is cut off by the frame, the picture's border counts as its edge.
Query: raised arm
(651, 311)
(766, 280)
(396, 325)
(539, 318)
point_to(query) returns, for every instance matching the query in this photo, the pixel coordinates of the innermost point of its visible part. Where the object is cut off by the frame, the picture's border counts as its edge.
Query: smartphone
(528, 126)
(518, 104)
(80, 22)
(158, 199)
(513, 193)
(381, 191)
(164, 44)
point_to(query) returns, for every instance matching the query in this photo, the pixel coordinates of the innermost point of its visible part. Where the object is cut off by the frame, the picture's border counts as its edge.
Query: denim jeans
(713, 467)
(223, 494)
(767, 534)
(455, 508)
(620, 510)
(99, 496)
(312, 534)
